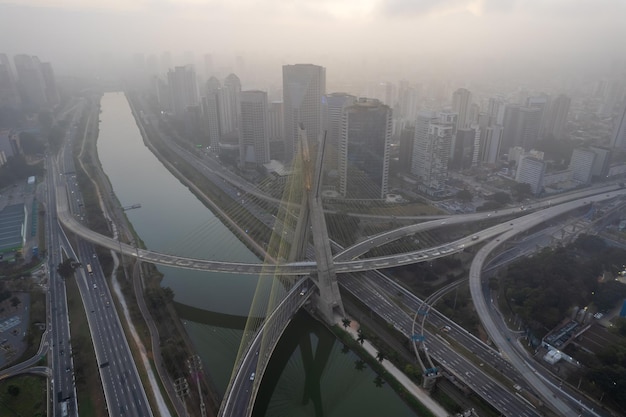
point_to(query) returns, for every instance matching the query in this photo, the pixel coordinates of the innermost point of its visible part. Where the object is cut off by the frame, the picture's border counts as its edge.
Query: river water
(311, 374)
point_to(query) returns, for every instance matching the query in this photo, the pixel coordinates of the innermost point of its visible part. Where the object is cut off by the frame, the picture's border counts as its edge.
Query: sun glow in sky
(478, 34)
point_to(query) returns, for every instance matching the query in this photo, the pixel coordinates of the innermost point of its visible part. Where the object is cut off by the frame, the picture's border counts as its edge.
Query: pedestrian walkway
(419, 393)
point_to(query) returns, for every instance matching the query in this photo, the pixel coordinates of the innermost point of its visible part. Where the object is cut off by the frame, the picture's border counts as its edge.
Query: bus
(89, 269)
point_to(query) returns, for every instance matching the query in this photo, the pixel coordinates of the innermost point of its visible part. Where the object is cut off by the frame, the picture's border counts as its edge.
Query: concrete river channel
(213, 306)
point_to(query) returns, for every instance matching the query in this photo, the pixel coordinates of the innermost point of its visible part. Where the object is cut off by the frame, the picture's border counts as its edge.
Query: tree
(494, 284)
(522, 190)
(360, 338)
(379, 381)
(346, 322)
(13, 390)
(590, 243)
(345, 349)
(465, 196)
(380, 356)
(66, 268)
(30, 144)
(489, 206)
(15, 302)
(359, 365)
(502, 198)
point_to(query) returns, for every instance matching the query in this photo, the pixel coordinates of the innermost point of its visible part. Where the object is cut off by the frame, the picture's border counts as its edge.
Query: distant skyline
(384, 36)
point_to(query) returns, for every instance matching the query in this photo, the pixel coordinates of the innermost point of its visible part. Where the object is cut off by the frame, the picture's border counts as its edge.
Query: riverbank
(176, 167)
(427, 406)
(104, 209)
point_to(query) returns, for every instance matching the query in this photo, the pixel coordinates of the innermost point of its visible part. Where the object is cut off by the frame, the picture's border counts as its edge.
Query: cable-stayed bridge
(287, 295)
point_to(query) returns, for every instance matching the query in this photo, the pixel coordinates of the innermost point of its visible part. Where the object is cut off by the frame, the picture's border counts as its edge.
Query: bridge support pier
(429, 381)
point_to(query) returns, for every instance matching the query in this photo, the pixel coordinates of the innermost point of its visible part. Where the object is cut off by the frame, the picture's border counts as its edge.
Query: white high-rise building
(335, 104)
(304, 85)
(420, 142)
(461, 103)
(364, 149)
(254, 147)
(440, 143)
(431, 150)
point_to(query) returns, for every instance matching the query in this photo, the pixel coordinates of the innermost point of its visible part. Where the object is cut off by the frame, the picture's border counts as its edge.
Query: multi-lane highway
(243, 387)
(63, 380)
(563, 402)
(95, 301)
(124, 393)
(307, 267)
(499, 396)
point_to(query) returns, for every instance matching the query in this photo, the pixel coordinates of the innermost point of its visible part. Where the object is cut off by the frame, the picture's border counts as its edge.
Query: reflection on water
(311, 374)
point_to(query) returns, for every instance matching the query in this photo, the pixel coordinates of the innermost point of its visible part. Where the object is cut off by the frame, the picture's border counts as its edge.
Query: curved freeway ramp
(504, 344)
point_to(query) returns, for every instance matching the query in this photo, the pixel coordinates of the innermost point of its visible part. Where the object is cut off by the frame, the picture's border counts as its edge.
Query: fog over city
(242, 208)
(461, 39)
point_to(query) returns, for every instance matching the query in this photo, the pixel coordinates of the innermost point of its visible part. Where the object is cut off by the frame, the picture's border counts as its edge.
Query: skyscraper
(9, 96)
(490, 145)
(461, 102)
(495, 109)
(304, 85)
(541, 102)
(463, 151)
(619, 131)
(30, 81)
(276, 121)
(531, 170)
(230, 108)
(335, 104)
(210, 110)
(554, 122)
(364, 149)
(420, 141)
(431, 150)
(254, 147)
(581, 164)
(52, 94)
(183, 89)
(521, 127)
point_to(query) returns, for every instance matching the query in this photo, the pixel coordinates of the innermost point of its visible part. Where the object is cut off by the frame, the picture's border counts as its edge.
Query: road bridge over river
(258, 346)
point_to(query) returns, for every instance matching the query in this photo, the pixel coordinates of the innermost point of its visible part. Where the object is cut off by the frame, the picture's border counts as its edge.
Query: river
(213, 305)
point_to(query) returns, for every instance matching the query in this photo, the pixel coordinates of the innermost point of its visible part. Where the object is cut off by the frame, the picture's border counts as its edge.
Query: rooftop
(12, 219)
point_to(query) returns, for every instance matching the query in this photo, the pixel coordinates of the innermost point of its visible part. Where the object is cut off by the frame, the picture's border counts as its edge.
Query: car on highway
(252, 376)
(304, 290)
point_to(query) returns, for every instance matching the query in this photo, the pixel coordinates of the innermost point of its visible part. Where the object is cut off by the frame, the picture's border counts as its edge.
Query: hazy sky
(477, 33)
